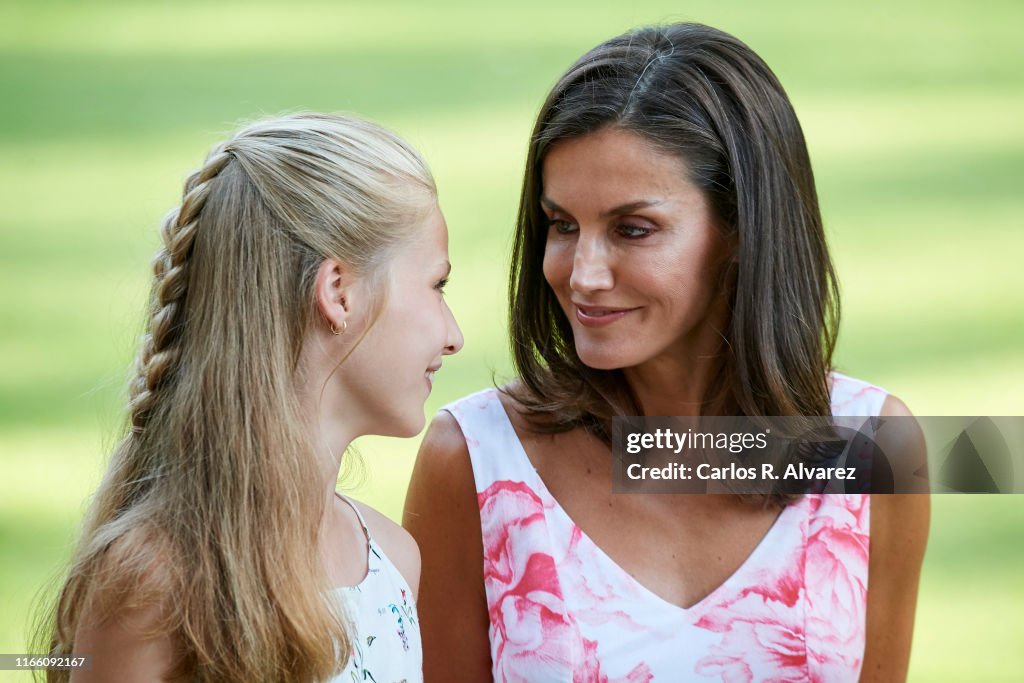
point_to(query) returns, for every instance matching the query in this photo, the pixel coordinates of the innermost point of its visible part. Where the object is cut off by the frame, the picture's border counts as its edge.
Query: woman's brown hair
(708, 99)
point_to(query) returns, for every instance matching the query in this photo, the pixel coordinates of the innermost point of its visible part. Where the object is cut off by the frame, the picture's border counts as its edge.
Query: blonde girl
(297, 303)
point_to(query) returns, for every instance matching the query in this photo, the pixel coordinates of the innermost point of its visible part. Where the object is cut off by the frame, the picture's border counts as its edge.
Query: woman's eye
(633, 231)
(562, 227)
(441, 284)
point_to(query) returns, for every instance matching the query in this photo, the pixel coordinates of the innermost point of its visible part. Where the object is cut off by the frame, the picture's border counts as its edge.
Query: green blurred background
(912, 112)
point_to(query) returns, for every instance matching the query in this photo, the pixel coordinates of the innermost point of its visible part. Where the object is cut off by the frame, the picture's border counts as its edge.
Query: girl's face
(391, 372)
(633, 253)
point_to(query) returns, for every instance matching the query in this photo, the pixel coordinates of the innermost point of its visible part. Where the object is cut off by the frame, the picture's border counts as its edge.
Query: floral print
(403, 613)
(562, 610)
(387, 646)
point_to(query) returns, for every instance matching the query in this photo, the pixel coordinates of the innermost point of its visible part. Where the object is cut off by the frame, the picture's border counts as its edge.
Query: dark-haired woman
(669, 260)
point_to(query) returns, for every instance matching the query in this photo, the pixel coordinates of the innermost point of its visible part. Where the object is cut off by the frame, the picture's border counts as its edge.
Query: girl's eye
(633, 231)
(441, 284)
(562, 227)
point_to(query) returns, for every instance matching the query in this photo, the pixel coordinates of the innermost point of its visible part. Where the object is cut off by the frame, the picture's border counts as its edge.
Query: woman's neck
(678, 381)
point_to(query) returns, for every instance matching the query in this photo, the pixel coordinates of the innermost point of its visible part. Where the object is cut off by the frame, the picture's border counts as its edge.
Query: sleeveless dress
(562, 610)
(387, 647)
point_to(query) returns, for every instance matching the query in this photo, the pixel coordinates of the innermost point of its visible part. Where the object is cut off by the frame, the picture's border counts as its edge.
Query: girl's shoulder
(126, 620)
(397, 543)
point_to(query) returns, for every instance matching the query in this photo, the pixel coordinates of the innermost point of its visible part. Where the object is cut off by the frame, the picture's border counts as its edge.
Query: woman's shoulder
(852, 396)
(508, 396)
(469, 420)
(903, 438)
(469, 446)
(495, 418)
(478, 400)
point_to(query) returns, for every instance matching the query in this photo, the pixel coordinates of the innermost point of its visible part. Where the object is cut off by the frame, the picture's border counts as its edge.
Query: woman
(297, 304)
(669, 260)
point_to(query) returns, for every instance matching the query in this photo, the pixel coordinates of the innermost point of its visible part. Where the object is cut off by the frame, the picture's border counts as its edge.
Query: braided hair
(157, 355)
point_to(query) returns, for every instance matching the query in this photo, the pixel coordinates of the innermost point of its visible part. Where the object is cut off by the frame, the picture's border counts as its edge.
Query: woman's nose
(591, 270)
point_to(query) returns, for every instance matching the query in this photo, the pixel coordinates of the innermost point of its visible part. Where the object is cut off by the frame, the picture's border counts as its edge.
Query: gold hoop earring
(336, 331)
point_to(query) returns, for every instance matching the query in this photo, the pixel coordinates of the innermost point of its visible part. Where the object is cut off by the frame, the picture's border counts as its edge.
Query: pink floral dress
(562, 610)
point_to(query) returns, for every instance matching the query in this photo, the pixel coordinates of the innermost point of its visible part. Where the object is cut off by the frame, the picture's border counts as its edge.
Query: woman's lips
(599, 316)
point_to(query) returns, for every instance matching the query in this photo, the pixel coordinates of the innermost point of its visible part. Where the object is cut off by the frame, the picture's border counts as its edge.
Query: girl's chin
(403, 426)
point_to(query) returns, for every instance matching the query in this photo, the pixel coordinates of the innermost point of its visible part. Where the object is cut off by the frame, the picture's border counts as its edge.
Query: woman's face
(633, 253)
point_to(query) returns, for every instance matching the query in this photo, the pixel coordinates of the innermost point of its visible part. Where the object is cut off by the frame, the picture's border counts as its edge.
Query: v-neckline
(693, 611)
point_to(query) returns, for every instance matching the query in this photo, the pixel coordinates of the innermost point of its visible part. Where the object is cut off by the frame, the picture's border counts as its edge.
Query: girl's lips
(429, 375)
(593, 316)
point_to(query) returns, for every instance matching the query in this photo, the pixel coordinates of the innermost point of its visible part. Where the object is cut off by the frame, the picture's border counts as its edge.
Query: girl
(297, 304)
(669, 259)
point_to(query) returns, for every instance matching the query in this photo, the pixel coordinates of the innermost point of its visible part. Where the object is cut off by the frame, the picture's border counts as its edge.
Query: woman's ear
(333, 288)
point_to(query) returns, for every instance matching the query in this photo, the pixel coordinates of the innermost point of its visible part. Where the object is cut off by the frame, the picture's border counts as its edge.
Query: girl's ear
(334, 289)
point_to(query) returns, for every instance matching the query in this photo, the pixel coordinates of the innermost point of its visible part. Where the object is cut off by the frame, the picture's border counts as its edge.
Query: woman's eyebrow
(631, 207)
(547, 203)
(616, 211)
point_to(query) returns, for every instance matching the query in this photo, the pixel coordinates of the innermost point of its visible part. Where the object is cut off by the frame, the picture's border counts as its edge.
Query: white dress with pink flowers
(562, 610)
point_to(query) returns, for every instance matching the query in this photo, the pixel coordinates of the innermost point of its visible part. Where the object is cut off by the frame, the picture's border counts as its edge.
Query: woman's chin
(604, 358)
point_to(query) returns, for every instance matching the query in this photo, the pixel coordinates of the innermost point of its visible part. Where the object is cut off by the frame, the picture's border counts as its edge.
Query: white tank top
(387, 647)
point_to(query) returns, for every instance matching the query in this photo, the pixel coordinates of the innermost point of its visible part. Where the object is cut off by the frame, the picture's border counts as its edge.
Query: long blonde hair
(213, 496)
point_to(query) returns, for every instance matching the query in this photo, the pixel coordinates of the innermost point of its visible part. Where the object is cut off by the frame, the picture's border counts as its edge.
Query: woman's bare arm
(899, 533)
(442, 514)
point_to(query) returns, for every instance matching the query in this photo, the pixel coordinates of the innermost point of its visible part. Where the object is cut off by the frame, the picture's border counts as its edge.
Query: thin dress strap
(386, 644)
(355, 508)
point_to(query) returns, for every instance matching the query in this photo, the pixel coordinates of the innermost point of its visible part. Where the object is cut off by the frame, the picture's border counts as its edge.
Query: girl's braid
(158, 354)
